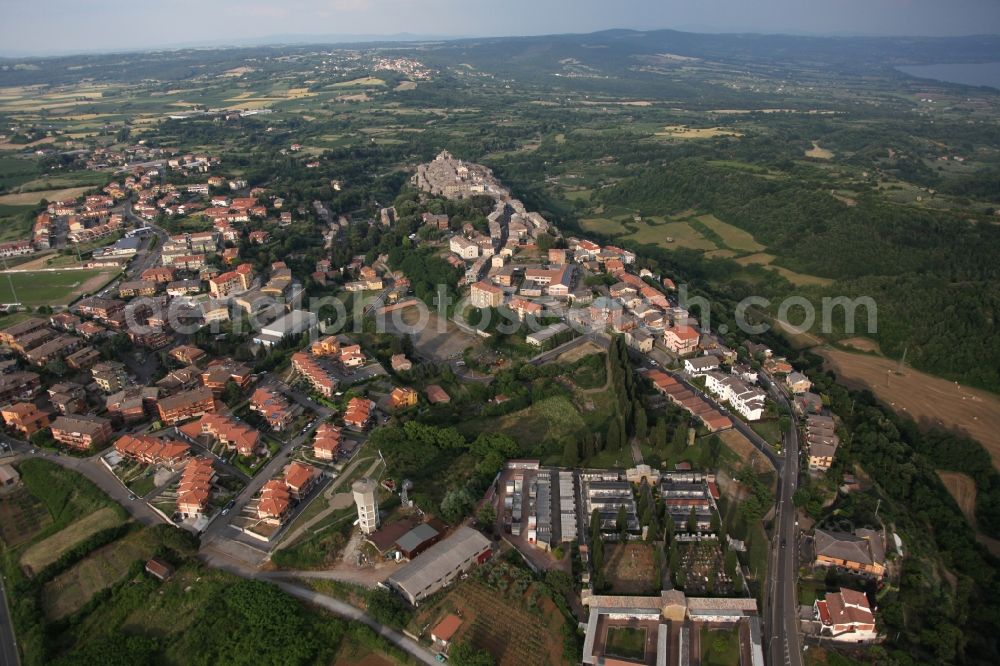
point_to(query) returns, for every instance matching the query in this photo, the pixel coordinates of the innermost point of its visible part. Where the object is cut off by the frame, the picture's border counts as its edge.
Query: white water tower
(366, 499)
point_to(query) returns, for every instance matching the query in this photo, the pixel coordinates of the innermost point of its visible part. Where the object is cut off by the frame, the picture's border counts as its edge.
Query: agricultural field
(630, 568)
(71, 590)
(58, 287)
(50, 549)
(604, 225)
(733, 237)
(798, 279)
(30, 198)
(502, 613)
(22, 516)
(684, 132)
(920, 396)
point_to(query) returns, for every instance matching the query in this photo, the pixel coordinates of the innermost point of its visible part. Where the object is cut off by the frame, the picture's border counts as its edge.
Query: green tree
(464, 654)
(388, 608)
(486, 516)
(621, 523)
(456, 505)
(692, 522)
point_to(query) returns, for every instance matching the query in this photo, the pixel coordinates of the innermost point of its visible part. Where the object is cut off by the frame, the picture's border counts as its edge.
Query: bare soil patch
(862, 344)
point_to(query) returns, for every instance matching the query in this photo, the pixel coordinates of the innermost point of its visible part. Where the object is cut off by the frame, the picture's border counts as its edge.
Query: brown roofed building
(436, 395)
(25, 418)
(236, 436)
(80, 431)
(109, 375)
(186, 405)
(220, 372)
(83, 358)
(187, 354)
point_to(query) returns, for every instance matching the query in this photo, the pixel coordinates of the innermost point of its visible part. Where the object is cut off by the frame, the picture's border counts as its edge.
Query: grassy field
(719, 647)
(819, 153)
(22, 516)
(552, 417)
(363, 81)
(626, 642)
(673, 235)
(32, 198)
(47, 551)
(51, 287)
(798, 279)
(733, 237)
(71, 590)
(602, 225)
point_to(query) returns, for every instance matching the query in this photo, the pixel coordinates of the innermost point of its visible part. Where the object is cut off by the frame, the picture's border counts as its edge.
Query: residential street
(781, 607)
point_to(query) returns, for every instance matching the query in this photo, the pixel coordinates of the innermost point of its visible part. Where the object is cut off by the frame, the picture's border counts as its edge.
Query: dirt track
(927, 399)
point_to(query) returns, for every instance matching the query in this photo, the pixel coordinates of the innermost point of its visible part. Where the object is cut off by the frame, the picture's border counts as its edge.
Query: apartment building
(81, 432)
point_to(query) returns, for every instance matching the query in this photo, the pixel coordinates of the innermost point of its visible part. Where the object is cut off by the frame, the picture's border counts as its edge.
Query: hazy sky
(46, 26)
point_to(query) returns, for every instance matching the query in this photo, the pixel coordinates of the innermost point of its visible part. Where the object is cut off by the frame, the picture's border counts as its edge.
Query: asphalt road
(784, 647)
(8, 644)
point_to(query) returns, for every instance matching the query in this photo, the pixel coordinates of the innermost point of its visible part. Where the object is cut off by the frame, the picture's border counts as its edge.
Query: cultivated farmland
(71, 590)
(922, 397)
(22, 516)
(49, 550)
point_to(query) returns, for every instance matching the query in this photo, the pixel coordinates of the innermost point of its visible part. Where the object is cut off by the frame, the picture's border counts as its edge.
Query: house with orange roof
(403, 397)
(309, 368)
(326, 442)
(681, 339)
(274, 503)
(328, 346)
(444, 631)
(234, 435)
(150, 450)
(359, 413)
(273, 406)
(195, 487)
(351, 356)
(846, 616)
(300, 477)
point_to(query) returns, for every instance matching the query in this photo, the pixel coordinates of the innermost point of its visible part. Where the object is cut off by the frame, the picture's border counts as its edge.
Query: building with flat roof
(293, 323)
(441, 564)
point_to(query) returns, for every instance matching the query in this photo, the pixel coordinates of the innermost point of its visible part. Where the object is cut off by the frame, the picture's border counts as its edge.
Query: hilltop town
(251, 438)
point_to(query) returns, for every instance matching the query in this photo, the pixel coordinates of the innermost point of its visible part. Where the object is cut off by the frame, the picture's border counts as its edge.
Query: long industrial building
(441, 564)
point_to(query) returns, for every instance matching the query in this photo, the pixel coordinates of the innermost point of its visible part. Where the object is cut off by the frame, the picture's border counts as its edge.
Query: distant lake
(970, 74)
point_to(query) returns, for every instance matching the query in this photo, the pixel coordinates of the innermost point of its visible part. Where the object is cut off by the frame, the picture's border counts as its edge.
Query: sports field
(36, 288)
